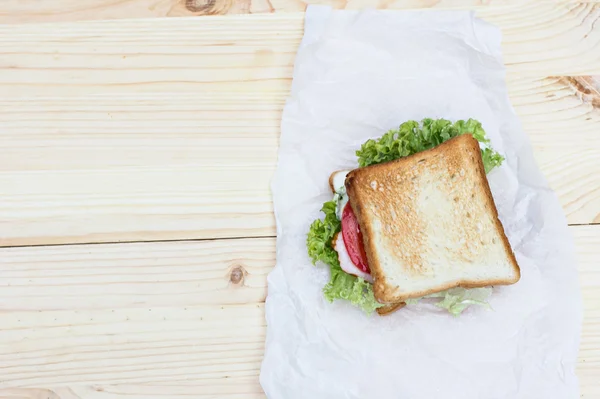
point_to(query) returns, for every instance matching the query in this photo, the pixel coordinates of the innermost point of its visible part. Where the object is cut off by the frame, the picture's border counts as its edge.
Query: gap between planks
(172, 188)
(232, 238)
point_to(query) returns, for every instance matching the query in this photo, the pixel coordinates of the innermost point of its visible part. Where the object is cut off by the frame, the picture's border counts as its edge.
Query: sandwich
(416, 221)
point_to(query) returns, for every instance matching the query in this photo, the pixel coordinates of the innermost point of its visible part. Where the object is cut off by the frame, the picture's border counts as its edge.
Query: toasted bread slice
(336, 180)
(390, 308)
(429, 223)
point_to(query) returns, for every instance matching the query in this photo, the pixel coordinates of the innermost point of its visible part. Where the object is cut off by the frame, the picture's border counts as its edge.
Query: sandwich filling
(347, 263)
(350, 277)
(353, 240)
(349, 243)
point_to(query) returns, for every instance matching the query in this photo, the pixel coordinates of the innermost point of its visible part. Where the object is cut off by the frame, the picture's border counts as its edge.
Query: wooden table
(135, 158)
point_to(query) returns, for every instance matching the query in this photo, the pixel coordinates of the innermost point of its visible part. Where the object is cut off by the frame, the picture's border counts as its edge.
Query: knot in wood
(237, 275)
(208, 7)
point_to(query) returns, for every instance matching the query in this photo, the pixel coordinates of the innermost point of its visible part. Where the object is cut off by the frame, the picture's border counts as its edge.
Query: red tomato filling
(353, 239)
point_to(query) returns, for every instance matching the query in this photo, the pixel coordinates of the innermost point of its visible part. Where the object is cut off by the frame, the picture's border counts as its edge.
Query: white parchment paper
(358, 74)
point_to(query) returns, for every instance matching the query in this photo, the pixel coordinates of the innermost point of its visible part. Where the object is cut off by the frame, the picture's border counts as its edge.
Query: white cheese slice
(338, 181)
(346, 263)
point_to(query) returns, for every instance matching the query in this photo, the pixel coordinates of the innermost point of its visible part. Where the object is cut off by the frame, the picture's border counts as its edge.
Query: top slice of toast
(429, 223)
(334, 179)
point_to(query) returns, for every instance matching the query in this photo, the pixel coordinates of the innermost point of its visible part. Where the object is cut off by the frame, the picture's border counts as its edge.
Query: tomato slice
(353, 239)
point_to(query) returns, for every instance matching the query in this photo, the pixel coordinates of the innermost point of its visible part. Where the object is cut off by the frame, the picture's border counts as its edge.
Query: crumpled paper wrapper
(358, 74)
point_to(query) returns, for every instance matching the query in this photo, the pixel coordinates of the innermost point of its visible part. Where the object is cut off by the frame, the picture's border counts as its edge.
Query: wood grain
(247, 52)
(161, 130)
(562, 127)
(188, 166)
(207, 388)
(59, 332)
(587, 240)
(16, 11)
(158, 129)
(135, 275)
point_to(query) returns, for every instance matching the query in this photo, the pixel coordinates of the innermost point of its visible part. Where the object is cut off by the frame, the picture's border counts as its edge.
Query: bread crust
(390, 308)
(454, 149)
(384, 310)
(331, 181)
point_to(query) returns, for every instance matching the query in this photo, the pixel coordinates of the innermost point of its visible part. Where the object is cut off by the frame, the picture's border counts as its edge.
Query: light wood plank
(166, 167)
(139, 343)
(587, 241)
(247, 52)
(131, 345)
(18, 11)
(562, 127)
(142, 275)
(144, 167)
(15, 11)
(230, 388)
(167, 129)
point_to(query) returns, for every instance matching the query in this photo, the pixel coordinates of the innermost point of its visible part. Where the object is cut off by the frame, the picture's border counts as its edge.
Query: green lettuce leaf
(455, 300)
(341, 284)
(412, 137)
(320, 236)
(491, 159)
(351, 288)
